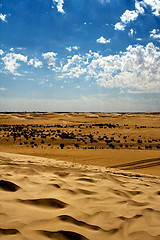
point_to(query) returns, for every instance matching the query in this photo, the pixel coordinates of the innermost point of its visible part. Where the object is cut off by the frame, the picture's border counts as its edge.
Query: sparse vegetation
(88, 134)
(61, 145)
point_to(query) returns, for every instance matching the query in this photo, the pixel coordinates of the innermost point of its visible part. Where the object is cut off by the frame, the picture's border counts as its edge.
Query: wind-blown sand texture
(43, 199)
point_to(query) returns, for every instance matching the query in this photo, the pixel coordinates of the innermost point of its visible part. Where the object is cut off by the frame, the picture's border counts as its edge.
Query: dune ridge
(42, 198)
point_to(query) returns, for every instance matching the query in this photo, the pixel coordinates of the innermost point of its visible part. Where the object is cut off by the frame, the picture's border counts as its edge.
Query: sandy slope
(42, 199)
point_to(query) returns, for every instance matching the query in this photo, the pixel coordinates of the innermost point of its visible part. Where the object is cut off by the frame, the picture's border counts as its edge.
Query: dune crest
(47, 199)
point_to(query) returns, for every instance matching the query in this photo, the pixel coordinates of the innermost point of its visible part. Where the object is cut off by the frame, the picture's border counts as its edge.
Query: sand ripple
(45, 202)
(47, 199)
(8, 186)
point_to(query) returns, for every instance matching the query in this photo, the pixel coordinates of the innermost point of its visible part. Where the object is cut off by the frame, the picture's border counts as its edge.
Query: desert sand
(127, 141)
(79, 176)
(42, 198)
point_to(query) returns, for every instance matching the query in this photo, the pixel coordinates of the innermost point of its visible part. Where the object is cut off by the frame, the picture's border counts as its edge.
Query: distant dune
(43, 199)
(127, 141)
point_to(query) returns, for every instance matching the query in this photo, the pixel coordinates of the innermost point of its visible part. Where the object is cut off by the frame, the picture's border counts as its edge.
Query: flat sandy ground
(124, 141)
(76, 176)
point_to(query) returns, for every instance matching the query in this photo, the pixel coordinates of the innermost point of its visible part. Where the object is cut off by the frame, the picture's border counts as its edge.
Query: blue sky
(80, 55)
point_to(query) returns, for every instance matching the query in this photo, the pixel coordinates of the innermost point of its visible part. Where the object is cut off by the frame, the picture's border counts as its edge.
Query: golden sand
(79, 176)
(44, 199)
(124, 141)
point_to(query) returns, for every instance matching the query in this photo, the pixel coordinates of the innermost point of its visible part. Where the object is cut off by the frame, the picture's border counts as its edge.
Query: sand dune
(47, 199)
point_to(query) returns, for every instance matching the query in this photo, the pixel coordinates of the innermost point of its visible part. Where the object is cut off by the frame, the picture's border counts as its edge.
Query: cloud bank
(138, 68)
(135, 69)
(132, 15)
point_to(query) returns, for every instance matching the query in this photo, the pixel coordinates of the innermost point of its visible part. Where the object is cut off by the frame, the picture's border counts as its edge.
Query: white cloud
(21, 48)
(155, 6)
(78, 86)
(128, 16)
(139, 7)
(119, 26)
(3, 17)
(155, 33)
(69, 49)
(51, 57)
(132, 15)
(104, 1)
(138, 68)
(72, 48)
(73, 68)
(3, 89)
(103, 40)
(59, 4)
(35, 62)
(131, 32)
(11, 64)
(139, 39)
(1, 52)
(75, 47)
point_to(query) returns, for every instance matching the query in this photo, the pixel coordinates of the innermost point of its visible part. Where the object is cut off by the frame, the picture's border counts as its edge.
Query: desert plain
(80, 176)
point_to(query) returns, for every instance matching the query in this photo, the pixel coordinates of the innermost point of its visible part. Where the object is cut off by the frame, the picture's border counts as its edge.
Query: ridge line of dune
(72, 165)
